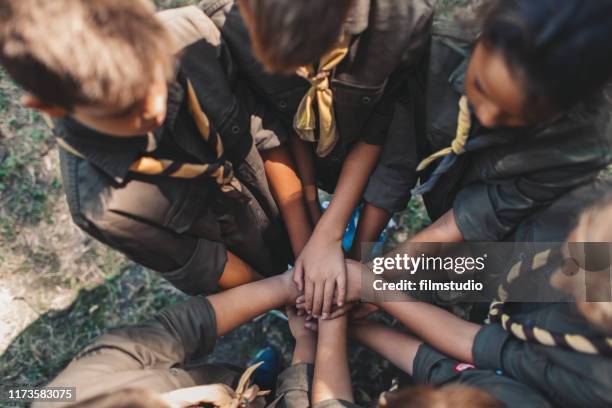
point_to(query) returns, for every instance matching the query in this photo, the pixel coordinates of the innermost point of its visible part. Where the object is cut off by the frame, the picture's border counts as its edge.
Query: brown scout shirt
(183, 228)
(390, 40)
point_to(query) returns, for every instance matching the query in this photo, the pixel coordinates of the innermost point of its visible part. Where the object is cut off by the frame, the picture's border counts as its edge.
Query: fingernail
(325, 316)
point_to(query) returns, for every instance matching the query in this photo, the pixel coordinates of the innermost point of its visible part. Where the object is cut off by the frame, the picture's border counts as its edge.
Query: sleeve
(294, 387)
(118, 218)
(193, 265)
(394, 176)
(489, 211)
(523, 176)
(143, 355)
(433, 367)
(567, 378)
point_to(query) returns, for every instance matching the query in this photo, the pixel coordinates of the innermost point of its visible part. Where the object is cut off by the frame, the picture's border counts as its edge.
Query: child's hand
(355, 272)
(320, 272)
(299, 326)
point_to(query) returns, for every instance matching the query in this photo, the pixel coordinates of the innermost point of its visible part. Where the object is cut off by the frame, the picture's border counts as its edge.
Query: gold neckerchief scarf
(221, 170)
(464, 124)
(320, 95)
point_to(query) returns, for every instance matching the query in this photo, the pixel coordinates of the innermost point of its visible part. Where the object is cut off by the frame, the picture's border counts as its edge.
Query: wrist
(291, 292)
(332, 331)
(329, 229)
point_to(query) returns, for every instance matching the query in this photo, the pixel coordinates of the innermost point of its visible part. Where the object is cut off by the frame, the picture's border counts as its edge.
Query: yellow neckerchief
(320, 93)
(464, 124)
(221, 171)
(576, 342)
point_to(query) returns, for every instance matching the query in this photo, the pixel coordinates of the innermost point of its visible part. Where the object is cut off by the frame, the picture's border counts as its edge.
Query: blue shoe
(266, 374)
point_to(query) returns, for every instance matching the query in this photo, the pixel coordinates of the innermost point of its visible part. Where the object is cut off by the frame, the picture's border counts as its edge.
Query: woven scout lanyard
(575, 342)
(221, 170)
(321, 95)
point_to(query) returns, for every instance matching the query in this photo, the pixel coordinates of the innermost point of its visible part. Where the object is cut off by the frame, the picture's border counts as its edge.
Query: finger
(341, 311)
(317, 303)
(312, 326)
(300, 300)
(363, 311)
(308, 295)
(300, 312)
(298, 275)
(341, 290)
(328, 299)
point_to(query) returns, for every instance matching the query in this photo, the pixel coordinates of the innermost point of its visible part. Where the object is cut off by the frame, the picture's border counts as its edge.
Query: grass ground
(59, 289)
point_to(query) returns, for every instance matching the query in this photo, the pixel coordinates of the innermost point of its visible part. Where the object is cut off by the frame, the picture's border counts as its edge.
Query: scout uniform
(551, 347)
(163, 355)
(434, 368)
(178, 199)
(354, 92)
(495, 178)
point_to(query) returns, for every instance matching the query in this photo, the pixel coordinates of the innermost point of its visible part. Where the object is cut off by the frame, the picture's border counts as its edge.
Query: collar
(116, 157)
(358, 18)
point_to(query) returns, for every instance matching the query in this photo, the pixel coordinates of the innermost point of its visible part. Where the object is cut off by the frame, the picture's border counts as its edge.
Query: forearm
(372, 222)
(332, 378)
(239, 305)
(393, 345)
(302, 153)
(288, 193)
(354, 176)
(305, 350)
(437, 327)
(445, 229)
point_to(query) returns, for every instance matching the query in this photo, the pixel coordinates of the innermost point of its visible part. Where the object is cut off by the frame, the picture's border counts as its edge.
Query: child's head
(288, 34)
(536, 59)
(588, 251)
(449, 396)
(104, 62)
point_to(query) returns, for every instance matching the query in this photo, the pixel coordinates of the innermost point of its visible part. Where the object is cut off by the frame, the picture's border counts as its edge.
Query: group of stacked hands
(195, 141)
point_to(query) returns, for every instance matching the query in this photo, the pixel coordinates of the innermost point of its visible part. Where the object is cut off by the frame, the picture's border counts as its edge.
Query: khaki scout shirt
(166, 354)
(389, 41)
(183, 228)
(387, 35)
(513, 173)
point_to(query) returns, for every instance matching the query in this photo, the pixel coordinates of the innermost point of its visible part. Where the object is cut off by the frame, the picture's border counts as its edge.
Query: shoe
(266, 374)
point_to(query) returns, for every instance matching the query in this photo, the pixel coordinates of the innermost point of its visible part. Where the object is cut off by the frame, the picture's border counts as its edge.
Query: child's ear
(155, 104)
(33, 102)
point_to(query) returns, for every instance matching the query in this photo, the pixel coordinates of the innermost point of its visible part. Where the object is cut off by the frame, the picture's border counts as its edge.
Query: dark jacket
(434, 368)
(567, 378)
(183, 228)
(511, 173)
